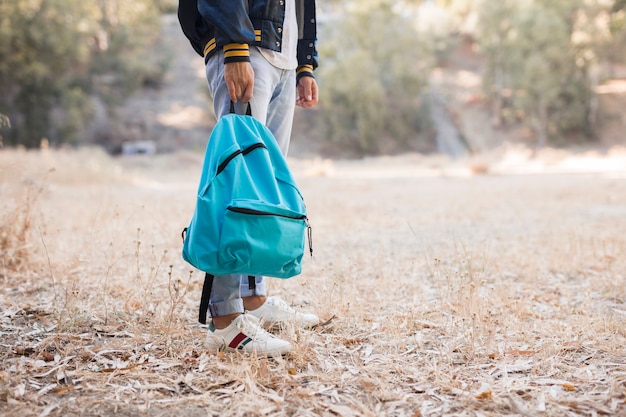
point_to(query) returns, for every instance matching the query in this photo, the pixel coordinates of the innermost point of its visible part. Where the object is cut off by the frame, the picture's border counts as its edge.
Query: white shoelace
(250, 326)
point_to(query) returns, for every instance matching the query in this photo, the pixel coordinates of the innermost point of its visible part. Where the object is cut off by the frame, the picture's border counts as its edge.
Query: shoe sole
(271, 353)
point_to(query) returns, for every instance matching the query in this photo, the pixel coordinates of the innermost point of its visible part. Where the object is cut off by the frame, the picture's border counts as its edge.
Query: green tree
(374, 67)
(540, 54)
(57, 55)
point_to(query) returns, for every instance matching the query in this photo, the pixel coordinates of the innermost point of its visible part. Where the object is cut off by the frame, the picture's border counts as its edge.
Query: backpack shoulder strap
(206, 295)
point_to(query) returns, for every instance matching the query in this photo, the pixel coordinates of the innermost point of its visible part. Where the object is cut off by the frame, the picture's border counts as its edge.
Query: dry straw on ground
(477, 288)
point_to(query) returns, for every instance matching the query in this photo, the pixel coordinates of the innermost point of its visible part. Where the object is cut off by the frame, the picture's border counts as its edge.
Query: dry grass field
(485, 287)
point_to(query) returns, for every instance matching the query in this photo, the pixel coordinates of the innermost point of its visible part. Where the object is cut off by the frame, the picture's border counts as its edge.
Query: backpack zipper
(309, 234)
(232, 156)
(309, 229)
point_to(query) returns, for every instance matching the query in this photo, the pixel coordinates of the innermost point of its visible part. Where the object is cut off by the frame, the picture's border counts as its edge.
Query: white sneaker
(245, 334)
(275, 312)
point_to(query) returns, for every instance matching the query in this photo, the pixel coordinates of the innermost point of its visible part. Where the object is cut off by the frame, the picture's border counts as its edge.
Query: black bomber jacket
(234, 25)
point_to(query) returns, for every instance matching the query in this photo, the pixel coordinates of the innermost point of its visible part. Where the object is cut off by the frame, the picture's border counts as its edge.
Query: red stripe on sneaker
(236, 340)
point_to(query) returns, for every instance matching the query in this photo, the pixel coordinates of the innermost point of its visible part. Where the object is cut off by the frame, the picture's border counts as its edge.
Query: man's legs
(274, 100)
(229, 328)
(273, 104)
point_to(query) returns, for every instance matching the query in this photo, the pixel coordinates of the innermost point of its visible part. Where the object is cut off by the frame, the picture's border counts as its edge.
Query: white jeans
(273, 104)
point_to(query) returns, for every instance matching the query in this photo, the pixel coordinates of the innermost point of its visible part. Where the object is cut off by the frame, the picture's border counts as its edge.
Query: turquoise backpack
(250, 216)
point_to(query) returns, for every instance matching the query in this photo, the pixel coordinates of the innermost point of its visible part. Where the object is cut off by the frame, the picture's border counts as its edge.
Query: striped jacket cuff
(209, 47)
(236, 52)
(304, 71)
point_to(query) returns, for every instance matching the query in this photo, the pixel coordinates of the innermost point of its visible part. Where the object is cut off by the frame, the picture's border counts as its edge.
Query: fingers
(232, 90)
(239, 79)
(307, 92)
(246, 90)
(314, 93)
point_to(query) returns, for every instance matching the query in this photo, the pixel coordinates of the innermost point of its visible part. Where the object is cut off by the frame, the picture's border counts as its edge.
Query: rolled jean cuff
(226, 307)
(259, 290)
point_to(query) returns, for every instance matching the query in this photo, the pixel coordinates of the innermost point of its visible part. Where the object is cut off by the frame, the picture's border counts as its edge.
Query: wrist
(304, 71)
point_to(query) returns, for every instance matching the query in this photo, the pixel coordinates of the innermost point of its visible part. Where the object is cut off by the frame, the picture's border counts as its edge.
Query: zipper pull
(309, 233)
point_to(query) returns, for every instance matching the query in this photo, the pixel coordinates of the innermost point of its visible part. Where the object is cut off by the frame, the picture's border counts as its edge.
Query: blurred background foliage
(540, 62)
(59, 57)
(371, 76)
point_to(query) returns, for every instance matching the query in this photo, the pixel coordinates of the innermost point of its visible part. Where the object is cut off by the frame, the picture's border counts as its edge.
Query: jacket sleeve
(307, 39)
(233, 29)
(192, 25)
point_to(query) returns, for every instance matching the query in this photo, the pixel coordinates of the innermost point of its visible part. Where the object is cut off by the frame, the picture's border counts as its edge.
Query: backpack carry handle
(248, 109)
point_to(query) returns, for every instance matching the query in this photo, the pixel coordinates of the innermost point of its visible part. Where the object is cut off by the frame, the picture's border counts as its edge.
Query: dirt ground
(491, 286)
